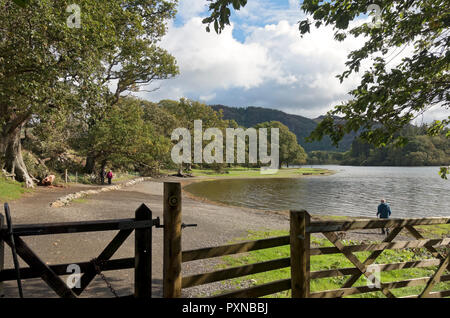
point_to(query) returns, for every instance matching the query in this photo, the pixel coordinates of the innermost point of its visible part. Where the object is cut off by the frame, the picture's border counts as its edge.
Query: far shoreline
(320, 172)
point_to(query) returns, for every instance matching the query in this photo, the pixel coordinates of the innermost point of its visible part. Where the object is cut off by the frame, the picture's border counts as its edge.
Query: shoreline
(433, 231)
(195, 179)
(285, 213)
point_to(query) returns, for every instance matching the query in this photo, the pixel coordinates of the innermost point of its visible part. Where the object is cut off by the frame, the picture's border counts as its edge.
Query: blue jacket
(384, 211)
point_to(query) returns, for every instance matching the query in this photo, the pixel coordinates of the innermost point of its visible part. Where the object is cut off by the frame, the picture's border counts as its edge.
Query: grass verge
(333, 261)
(11, 190)
(242, 172)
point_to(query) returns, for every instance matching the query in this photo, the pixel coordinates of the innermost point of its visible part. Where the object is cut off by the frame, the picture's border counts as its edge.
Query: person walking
(109, 176)
(102, 176)
(384, 212)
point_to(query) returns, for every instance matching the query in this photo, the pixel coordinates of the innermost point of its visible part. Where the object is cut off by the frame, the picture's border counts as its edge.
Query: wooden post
(66, 176)
(143, 256)
(2, 253)
(172, 240)
(300, 245)
(76, 177)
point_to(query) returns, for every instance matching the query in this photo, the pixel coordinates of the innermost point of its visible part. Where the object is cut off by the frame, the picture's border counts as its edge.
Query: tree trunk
(90, 164)
(104, 162)
(13, 158)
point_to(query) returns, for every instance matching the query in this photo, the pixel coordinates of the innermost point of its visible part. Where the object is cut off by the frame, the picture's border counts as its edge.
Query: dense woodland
(134, 135)
(420, 150)
(299, 125)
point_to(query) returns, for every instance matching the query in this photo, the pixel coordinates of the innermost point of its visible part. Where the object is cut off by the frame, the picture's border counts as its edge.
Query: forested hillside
(421, 150)
(299, 125)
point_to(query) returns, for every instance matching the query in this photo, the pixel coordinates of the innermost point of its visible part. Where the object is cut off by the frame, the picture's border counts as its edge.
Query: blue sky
(272, 11)
(260, 60)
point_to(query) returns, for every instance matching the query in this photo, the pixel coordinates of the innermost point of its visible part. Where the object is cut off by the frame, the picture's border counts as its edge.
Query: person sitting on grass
(384, 212)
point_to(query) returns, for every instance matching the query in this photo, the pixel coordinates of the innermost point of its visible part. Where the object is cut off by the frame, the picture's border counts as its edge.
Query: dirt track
(216, 225)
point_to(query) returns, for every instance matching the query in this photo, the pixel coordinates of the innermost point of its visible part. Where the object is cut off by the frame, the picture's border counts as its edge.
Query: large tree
(124, 138)
(389, 95)
(47, 64)
(135, 61)
(40, 58)
(187, 111)
(291, 153)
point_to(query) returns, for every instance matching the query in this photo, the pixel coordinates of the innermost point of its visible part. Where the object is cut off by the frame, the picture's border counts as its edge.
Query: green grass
(80, 200)
(324, 262)
(432, 231)
(256, 172)
(11, 190)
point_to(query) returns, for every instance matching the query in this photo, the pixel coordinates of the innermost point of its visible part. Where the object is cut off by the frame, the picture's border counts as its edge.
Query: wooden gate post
(300, 245)
(2, 253)
(172, 240)
(143, 255)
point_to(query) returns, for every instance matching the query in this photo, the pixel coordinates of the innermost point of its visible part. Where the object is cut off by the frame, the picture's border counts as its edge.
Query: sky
(260, 60)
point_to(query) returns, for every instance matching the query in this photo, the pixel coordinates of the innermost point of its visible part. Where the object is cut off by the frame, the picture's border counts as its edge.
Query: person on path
(384, 212)
(109, 176)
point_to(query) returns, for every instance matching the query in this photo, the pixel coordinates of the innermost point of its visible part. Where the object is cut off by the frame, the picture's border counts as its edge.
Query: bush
(35, 168)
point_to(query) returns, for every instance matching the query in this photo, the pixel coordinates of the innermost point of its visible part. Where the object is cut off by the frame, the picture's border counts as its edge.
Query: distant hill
(299, 125)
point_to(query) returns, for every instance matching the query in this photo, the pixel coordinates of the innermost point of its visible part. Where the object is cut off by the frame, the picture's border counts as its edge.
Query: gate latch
(187, 225)
(158, 224)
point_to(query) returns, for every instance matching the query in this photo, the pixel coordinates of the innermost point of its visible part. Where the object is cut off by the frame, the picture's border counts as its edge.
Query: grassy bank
(11, 190)
(241, 172)
(324, 262)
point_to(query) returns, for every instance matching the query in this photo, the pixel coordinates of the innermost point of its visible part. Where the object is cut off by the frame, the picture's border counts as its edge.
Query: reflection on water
(354, 191)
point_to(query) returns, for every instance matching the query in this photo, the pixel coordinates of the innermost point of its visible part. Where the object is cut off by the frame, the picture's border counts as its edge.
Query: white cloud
(209, 61)
(188, 9)
(272, 67)
(207, 97)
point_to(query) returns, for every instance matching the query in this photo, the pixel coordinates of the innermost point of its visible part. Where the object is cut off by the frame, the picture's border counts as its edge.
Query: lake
(352, 191)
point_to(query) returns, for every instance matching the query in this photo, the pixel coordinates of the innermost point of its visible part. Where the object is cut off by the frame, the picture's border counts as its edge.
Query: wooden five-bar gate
(299, 239)
(141, 262)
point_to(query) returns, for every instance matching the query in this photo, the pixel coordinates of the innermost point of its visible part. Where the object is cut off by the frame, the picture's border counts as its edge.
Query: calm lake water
(352, 191)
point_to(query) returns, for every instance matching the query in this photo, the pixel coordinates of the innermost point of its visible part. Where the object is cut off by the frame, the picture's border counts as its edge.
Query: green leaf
(22, 3)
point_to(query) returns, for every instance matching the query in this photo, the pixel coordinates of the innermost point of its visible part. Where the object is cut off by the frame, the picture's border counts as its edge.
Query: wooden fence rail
(301, 286)
(299, 239)
(141, 262)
